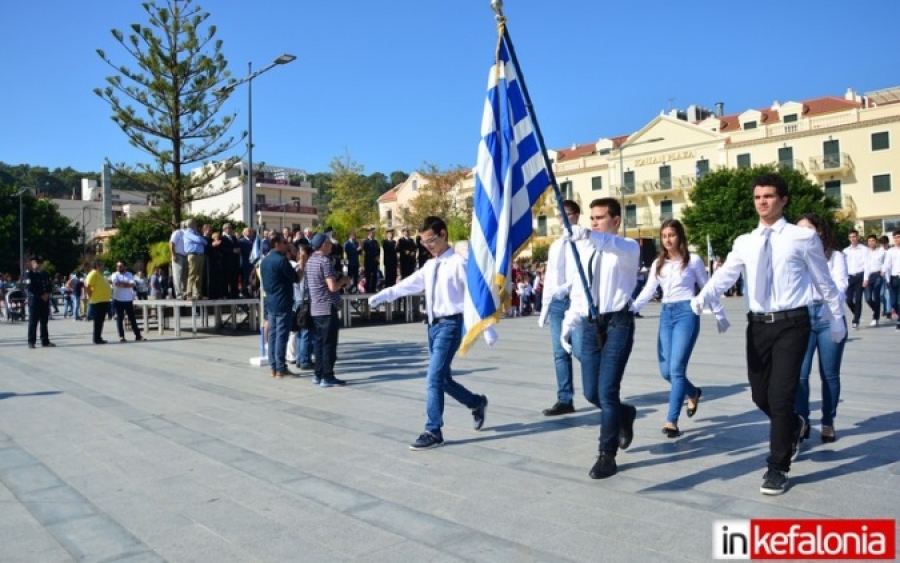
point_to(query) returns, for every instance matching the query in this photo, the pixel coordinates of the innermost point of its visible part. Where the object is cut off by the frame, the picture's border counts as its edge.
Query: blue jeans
(873, 295)
(67, 305)
(830, 355)
(326, 342)
(444, 338)
(562, 361)
(678, 331)
(304, 346)
(602, 367)
(76, 306)
(279, 332)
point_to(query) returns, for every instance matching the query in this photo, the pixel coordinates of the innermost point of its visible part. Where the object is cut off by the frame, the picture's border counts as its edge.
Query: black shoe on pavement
(479, 412)
(32, 345)
(774, 482)
(626, 430)
(558, 409)
(604, 467)
(801, 430)
(101, 341)
(48, 344)
(426, 441)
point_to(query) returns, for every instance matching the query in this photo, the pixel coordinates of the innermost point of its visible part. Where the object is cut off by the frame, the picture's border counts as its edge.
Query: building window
(542, 226)
(389, 219)
(881, 141)
(881, 183)
(665, 177)
(702, 168)
(743, 160)
(261, 198)
(831, 151)
(629, 182)
(665, 210)
(597, 183)
(630, 215)
(749, 125)
(790, 118)
(786, 157)
(833, 190)
(566, 189)
(415, 185)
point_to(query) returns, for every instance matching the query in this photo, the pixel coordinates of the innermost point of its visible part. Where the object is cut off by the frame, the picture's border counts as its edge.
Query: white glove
(578, 233)
(697, 306)
(722, 324)
(376, 300)
(838, 330)
(569, 323)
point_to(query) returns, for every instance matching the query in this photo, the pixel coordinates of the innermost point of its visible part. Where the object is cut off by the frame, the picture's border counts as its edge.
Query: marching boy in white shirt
(444, 282)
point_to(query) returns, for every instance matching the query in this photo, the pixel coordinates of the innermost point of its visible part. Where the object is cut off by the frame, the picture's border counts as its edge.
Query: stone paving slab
(179, 450)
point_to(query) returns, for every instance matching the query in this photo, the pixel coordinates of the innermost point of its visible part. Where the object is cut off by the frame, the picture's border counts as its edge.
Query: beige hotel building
(846, 144)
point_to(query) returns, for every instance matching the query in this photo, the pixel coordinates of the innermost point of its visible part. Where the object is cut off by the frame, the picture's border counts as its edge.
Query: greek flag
(510, 176)
(255, 252)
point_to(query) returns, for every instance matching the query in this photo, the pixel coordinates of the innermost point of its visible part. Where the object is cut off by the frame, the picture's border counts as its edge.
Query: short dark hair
(884, 239)
(572, 206)
(275, 237)
(610, 203)
(772, 179)
(434, 224)
(872, 236)
(853, 232)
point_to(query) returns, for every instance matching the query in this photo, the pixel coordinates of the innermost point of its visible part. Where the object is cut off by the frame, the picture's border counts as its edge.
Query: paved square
(179, 450)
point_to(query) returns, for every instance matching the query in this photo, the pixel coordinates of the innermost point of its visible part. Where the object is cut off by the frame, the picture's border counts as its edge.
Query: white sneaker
(874, 322)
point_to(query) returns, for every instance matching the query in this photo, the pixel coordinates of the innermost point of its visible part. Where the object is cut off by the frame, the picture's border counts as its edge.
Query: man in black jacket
(389, 248)
(372, 252)
(39, 288)
(406, 248)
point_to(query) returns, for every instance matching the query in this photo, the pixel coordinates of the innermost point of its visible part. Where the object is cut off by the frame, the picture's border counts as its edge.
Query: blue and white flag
(510, 176)
(255, 252)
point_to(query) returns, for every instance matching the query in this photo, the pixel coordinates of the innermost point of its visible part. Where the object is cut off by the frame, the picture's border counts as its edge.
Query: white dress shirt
(857, 259)
(875, 262)
(837, 267)
(891, 266)
(678, 283)
(798, 261)
(611, 265)
(122, 293)
(445, 293)
(561, 272)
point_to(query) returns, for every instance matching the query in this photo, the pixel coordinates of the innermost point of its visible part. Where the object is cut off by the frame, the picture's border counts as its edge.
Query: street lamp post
(19, 194)
(282, 60)
(621, 150)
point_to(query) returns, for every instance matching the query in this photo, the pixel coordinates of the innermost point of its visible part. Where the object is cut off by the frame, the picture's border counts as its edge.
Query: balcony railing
(287, 208)
(831, 164)
(649, 186)
(264, 179)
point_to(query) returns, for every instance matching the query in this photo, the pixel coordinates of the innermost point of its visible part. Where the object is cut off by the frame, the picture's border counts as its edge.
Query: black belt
(778, 315)
(455, 317)
(194, 253)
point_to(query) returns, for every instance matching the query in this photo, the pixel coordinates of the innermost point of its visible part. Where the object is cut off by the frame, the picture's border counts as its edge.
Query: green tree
(169, 106)
(47, 232)
(134, 237)
(352, 202)
(436, 197)
(722, 205)
(398, 177)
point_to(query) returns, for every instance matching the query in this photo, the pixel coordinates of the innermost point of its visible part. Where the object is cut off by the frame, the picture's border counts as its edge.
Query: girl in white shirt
(830, 352)
(679, 273)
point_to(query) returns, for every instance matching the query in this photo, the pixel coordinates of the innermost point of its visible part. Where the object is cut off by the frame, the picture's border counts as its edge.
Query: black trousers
(390, 274)
(100, 310)
(124, 308)
(371, 277)
(38, 313)
(855, 295)
(775, 353)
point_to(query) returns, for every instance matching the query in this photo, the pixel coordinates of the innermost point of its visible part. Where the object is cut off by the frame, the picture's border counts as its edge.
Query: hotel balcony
(657, 186)
(831, 165)
(283, 182)
(293, 208)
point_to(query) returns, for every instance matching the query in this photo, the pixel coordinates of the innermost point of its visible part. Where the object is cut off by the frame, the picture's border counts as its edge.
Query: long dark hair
(829, 242)
(681, 249)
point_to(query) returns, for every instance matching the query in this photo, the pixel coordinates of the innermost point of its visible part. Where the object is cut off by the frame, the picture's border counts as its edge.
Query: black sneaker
(801, 430)
(558, 409)
(605, 467)
(316, 380)
(426, 441)
(774, 482)
(478, 413)
(626, 430)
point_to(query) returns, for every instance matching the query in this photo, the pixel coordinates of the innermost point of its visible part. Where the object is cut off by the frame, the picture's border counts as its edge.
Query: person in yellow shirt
(99, 294)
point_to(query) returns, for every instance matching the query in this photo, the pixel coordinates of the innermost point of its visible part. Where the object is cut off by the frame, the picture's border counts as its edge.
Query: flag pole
(497, 6)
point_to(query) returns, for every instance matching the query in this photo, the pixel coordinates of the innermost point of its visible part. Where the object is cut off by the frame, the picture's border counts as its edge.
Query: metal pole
(622, 188)
(251, 204)
(21, 236)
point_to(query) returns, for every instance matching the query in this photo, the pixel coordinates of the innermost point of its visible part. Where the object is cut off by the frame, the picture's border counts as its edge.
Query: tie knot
(767, 232)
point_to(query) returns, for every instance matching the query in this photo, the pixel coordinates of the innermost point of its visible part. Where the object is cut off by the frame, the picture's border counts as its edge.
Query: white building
(282, 197)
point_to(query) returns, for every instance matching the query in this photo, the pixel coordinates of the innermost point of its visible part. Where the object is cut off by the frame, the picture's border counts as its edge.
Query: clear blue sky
(396, 83)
